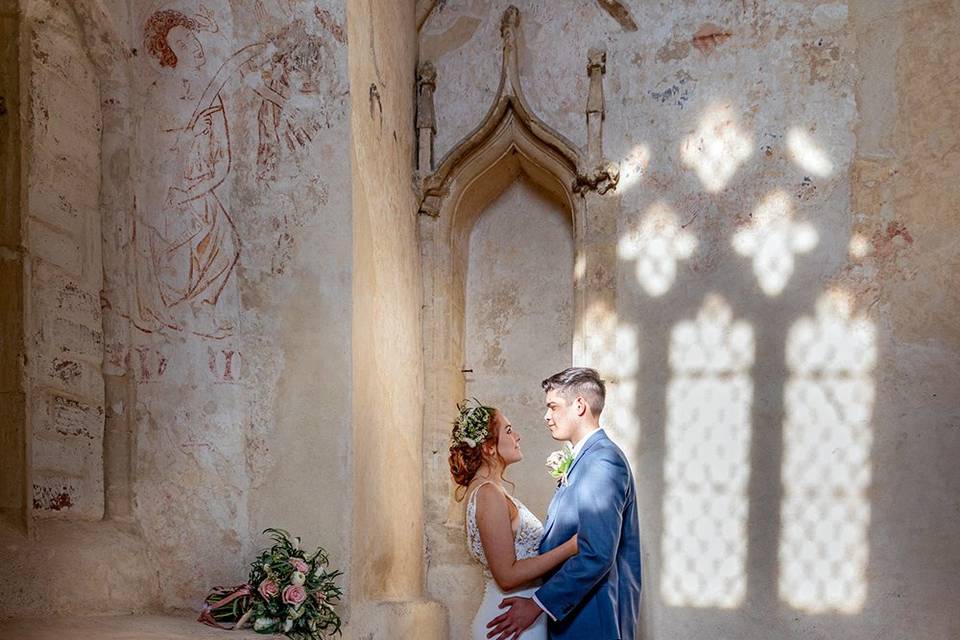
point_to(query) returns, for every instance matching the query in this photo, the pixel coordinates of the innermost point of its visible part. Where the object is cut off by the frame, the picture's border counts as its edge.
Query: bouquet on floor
(288, 591)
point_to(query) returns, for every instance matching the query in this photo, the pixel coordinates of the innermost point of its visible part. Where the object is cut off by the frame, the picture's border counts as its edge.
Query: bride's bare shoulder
(484, 488)
(493, 498)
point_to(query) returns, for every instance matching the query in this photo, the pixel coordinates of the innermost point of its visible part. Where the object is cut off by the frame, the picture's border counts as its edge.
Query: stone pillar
(63, 278)
(13, 479)
(426, 117)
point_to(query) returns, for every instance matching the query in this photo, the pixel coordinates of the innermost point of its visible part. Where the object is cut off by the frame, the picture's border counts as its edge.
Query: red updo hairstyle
(466, 460)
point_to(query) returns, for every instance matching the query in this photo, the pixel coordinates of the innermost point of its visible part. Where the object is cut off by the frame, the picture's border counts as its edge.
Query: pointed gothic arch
(509, 143)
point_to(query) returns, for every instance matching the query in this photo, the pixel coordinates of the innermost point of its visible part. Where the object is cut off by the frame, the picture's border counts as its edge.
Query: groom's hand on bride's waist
(520, 614)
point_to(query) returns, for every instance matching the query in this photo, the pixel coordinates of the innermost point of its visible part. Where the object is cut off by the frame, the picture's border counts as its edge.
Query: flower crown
(471, 425)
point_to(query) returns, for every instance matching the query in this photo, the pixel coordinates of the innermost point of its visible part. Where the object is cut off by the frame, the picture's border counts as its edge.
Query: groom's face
(561, 416)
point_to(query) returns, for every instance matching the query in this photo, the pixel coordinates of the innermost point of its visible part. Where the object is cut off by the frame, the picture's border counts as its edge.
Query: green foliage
(312, 619)
(472, 424)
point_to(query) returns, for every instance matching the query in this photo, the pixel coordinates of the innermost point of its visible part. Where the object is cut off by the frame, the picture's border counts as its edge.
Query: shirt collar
(577, 448)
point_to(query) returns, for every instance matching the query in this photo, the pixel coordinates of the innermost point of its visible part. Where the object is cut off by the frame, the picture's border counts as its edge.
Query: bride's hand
(571, 545)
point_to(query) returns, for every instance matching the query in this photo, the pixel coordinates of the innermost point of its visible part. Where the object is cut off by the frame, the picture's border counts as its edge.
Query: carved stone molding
(510, 122)
(426, 118)
(602, 179)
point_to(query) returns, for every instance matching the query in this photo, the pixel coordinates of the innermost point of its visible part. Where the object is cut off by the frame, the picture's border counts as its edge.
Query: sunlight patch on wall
(860, 246)
(657, 246)
(773, 239)
(807, 154)
(826, 464)
(707, 460)
(613, 349)
(716, 149)
(620, 414)
(633, 167)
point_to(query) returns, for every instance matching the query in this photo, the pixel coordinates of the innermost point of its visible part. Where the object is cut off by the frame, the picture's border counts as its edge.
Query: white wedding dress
(526, 544)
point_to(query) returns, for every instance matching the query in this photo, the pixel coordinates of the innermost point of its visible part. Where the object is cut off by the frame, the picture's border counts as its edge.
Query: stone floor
(144, 627)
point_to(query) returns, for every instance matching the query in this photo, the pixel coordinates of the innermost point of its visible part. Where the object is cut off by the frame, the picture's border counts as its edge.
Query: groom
(596, 593)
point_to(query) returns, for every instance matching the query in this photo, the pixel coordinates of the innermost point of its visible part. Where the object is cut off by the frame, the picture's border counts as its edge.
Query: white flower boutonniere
(559, 463)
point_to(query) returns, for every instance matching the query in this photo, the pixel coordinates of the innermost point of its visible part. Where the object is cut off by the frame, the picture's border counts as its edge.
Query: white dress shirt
(577, 448)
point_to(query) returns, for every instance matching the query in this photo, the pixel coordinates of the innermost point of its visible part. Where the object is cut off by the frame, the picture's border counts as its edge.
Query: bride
(502, 534)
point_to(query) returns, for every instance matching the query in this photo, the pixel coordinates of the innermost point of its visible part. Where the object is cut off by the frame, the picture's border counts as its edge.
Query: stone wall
(783, 171)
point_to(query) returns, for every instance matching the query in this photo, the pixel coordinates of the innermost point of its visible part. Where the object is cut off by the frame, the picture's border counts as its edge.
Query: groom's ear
(581, 406)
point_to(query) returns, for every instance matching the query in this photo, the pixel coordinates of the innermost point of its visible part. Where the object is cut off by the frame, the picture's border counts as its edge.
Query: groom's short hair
(579, 381)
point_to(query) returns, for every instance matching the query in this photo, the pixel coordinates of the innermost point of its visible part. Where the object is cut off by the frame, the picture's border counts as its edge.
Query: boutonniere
(558, 463)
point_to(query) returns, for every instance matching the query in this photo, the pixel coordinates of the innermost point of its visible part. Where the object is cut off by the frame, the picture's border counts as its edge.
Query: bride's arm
(496, 535)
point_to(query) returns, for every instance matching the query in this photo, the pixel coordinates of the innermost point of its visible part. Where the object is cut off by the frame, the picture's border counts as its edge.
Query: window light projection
(773, 240)
(707, 460)
(633, 167)
(612, 348)
(657, 246)
(716, 149)
(826, 463)
(807, 154)
(860, 246)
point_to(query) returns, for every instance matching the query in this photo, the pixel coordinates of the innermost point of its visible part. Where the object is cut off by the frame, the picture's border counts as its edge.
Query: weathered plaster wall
(222, 185)
(785, 371)
(519, 324)
(239, 284)
(905, 199)
(242, 387)
(63, 273)
(59, 566)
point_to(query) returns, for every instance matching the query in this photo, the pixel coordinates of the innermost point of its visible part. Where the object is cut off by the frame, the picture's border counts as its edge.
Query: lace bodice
(526, 542)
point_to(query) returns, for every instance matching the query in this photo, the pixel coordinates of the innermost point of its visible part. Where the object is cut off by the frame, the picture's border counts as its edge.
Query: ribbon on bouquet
(220, 598)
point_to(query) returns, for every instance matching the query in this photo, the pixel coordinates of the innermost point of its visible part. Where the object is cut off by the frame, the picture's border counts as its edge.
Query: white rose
(263, 623)
(287, 625)
(297, 578)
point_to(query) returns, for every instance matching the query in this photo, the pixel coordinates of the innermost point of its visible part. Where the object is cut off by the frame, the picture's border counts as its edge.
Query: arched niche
(445, 245)
(511, 143)
(518, 318)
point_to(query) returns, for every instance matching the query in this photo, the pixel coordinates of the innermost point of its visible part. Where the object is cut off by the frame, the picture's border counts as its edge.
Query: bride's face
(508, 445)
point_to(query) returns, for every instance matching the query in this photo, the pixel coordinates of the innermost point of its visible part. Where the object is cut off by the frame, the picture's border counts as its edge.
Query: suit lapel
(594, 439)
(558, 496)
(552, 511)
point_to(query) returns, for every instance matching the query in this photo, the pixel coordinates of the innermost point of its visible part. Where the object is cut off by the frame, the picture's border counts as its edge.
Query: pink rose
(299, 565)
(268, 589)
(294, 594)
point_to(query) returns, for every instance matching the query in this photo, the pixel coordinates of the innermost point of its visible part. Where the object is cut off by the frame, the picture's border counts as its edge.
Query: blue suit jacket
(596, 593)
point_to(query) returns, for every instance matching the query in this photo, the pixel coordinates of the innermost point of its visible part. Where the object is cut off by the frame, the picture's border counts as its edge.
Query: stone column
(426, 117)
(13, 507)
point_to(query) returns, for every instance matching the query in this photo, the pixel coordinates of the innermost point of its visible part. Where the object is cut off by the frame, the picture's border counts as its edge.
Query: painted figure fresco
(189, 255)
